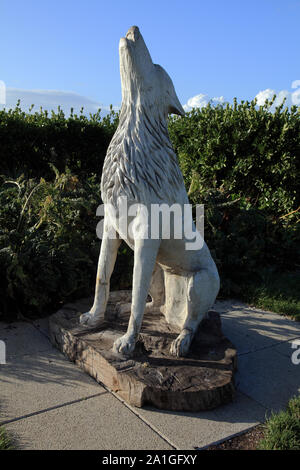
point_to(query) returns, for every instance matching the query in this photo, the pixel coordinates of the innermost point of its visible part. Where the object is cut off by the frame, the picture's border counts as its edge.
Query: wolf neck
(147, 119)
(140, 162)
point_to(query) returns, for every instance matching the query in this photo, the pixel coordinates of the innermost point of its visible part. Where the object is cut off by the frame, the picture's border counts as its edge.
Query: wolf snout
(133, 33)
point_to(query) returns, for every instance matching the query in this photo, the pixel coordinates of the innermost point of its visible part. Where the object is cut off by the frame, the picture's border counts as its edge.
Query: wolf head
(142, 81)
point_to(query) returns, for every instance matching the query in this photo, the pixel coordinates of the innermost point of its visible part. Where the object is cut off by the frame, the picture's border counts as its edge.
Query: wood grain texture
(202, 380)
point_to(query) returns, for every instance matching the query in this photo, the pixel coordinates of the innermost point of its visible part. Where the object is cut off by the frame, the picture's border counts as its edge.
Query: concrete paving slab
(100, 423)
(288, 348)
(42, 325)
(22, 338)
(252, 329)
(241, 339)
(253, 319)
(52, 395)
(187, 430)
(268, 377)
(247, 340)
(32, 383)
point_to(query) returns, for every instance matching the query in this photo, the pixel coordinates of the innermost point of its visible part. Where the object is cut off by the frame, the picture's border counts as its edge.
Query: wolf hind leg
(156, 290)
(203, 287)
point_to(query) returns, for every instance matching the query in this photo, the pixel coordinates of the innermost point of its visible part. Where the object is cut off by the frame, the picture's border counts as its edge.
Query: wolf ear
(173, 103)
(175, 106)
(176, 110)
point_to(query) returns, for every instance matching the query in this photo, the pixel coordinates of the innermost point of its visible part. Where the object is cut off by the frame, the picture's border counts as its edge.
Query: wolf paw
(90, 319)
(181, 345)
(124, 345)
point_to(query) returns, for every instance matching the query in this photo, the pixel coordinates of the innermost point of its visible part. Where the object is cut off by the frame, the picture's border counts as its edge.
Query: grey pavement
(47, 402)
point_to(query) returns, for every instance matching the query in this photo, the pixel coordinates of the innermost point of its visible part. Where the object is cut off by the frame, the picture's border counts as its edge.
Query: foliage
(240, 161)
(247, 242)
(243, 149)
(48, 242)
(5, 440)
(30, 141)
(276, 291)
(282, 430)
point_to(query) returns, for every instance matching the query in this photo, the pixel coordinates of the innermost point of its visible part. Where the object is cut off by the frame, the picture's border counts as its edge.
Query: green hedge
(30, 141)
(48, 243)
(243, 149)
(241, 161)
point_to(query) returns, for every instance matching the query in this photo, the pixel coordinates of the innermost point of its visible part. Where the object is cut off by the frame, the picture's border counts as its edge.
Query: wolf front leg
(145, 253)
(107, 258)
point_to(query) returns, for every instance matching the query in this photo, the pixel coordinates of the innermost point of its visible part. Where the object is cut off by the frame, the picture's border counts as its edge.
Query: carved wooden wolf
(141, 165)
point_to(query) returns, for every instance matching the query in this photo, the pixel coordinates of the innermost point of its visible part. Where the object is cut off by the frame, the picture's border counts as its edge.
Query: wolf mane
(140, 158)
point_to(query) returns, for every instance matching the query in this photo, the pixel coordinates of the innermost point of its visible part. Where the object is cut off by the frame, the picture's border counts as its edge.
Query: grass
(277, 292)
(5, 441)
(282, 430)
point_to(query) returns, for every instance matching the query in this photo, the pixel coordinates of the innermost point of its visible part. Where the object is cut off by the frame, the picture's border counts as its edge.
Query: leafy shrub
(282, 430)
(242, 162)
(30, 141)
(248, 151)
(49, 247)
(247, 241)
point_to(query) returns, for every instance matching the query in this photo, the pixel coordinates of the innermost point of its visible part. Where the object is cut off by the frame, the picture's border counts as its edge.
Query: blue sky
(66, 52)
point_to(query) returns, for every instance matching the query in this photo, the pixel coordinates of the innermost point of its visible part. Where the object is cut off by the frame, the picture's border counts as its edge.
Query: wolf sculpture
(142, 167)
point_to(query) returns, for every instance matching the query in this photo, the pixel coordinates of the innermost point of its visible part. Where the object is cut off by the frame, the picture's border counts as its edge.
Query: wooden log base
(202, 380)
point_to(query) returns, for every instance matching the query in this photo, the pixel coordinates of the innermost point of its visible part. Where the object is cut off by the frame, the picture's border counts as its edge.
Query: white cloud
(197, 101)
(2, 92)
(295, 84)
(292, 97)
(295, 95)
(51, 99)
(264, 95)
(268, 94)
(201, 100)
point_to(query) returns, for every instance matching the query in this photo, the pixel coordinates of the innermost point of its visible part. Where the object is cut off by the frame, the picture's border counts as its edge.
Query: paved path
(47, 402)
